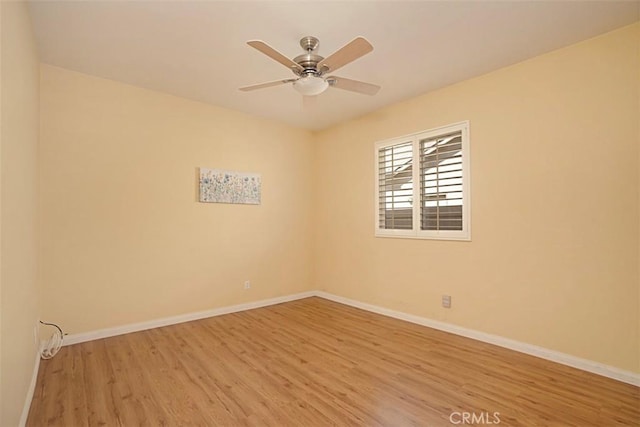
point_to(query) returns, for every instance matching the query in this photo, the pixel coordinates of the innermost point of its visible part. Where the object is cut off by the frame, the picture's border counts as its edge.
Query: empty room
(319, 213)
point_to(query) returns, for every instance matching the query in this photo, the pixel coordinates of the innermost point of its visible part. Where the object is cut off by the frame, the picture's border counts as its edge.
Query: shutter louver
(395, 187)
(441, 190)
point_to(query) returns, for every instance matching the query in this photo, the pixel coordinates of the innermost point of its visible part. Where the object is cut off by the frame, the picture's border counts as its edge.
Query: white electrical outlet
(446, 301)
(247, 284)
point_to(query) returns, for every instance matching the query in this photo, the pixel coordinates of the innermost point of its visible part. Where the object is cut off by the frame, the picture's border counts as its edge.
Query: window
(430, 201)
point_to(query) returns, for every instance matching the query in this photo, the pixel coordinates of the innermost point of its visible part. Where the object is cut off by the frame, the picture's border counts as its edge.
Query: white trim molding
(188, 317)
(30, 391)
(533, 350)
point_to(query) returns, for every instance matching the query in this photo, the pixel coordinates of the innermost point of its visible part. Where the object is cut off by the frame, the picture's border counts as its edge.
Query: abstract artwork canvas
(220, 186)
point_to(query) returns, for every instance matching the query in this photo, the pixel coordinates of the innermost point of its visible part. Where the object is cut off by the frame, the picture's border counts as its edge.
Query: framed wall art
(222, 186)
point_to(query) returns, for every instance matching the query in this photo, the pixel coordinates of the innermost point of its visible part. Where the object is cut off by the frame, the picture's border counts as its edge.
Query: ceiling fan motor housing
(309, 61)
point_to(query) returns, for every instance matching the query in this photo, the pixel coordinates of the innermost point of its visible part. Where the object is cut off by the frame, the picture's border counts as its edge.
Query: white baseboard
(157, 323)
(533, 350)
(544, 353)
(32, 388)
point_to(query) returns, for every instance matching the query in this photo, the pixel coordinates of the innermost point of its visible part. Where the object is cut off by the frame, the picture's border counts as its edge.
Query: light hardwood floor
(314, 362)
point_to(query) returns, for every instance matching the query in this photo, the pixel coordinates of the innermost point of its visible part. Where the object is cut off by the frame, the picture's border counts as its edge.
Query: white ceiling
(198, 50)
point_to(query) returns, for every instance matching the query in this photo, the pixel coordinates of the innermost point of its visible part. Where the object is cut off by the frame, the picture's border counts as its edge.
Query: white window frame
(416, 232)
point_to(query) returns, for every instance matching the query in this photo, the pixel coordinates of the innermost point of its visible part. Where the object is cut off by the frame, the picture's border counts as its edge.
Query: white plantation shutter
(431, 202)
(395, 187)
(441, 190)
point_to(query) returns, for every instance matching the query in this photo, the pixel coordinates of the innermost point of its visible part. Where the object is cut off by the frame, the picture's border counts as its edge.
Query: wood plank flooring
(314, 362)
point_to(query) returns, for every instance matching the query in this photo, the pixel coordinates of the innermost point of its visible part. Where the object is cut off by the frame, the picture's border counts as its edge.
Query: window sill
(461, 238)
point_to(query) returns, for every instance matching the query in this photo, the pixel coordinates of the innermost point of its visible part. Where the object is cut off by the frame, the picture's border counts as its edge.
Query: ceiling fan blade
(350, 52)
(274, 54)
(268, 84)
(353, 85)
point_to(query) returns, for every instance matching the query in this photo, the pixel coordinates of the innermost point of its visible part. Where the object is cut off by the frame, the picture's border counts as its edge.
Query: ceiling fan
(310, 68)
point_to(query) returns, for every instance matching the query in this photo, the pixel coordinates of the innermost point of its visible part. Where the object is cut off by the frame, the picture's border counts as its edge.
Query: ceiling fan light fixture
(310, 85)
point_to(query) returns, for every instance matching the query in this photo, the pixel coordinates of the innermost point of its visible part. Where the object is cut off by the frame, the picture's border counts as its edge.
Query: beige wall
(124, 239)
(555, 233)
(18, 198)
(553, 259)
